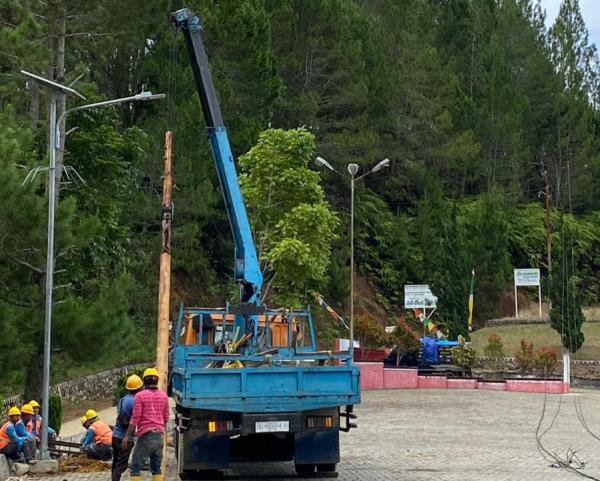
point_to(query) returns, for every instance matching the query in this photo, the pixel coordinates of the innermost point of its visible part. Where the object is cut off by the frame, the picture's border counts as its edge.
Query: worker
(150, 417)
(97, 443)
(34, 426)
(124, 412)
(12, 445)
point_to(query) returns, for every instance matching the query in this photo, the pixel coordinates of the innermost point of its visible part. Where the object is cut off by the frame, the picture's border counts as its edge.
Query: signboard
(527, 277)
(419, 297)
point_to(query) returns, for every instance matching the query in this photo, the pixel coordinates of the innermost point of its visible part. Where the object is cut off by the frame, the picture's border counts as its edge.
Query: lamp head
(320, 161)
(381, 165)
(353, 169)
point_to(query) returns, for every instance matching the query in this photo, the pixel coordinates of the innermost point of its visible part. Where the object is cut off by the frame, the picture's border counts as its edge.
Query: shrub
(494, 349)
(369, 332)
(525, 357)
(464, 356)
(546, 360)
(55, 413)
(405, 339)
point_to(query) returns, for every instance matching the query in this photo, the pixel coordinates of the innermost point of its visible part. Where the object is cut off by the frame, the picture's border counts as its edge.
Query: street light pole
(352, 170)
(55, 89)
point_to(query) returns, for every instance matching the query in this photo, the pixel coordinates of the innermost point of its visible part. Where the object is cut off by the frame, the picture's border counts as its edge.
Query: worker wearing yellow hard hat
(34, 426)
(149, 421)
(97, 443)
(121, 455)
(12, 445)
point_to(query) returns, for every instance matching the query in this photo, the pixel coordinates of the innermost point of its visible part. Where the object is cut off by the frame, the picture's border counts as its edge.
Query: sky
(591, 15)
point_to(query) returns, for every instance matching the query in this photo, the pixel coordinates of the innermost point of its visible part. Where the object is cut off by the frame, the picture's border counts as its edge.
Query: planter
(491, 385)
(433, 382)
(371, 375)
(536, 385)
(462, 383)
(400, 378)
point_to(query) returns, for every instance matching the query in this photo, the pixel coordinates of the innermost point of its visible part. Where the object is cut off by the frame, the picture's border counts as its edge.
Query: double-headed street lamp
(352, 170)
(55, 90)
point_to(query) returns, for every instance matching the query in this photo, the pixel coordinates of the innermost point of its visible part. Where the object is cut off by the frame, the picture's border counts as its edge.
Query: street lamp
(56, 89)
(352, 170)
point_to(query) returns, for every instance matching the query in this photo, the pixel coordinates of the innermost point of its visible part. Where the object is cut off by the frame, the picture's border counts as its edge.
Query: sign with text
(419, 297)
(527, 277)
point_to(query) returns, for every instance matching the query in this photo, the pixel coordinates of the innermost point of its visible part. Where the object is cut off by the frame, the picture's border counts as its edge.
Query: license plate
(272, 426)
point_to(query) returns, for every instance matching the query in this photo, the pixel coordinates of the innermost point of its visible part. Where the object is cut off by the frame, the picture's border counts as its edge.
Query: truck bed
(265, 389)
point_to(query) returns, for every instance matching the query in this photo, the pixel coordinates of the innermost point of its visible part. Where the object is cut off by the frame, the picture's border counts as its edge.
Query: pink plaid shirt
(150, 411)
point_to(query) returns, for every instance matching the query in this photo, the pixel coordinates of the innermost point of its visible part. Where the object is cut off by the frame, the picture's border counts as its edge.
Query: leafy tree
(404, 339)
(293, 223)
(369, 332)
(525, 356)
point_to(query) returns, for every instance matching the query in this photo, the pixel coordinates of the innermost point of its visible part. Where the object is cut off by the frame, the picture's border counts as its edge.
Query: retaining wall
(88, 388)
(375, 376)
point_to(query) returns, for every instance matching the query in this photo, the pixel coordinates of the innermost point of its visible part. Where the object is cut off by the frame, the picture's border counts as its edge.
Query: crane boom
(247, 267)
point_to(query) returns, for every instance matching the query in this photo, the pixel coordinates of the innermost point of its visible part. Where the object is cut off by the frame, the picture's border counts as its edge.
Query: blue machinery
(249, 382)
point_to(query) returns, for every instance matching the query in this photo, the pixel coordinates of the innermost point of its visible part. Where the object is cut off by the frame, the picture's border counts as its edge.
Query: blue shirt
(89, 438)
(124, 413)
(11, 430)
(22, 430)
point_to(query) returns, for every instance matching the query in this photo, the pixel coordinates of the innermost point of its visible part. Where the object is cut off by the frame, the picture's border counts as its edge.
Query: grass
(541, 335)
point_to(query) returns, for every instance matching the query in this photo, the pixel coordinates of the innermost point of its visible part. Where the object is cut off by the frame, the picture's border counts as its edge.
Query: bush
(404, 339)
(546, 360)
(120, 390)
(55, 413)
(525, 357)
(494, 349)
(369, 332)
(464, 356)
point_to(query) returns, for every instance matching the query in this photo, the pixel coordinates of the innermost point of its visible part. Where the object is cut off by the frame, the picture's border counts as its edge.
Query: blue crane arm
(247, 267)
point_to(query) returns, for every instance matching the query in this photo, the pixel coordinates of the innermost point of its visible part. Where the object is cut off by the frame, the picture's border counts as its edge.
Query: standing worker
(124, 412)
(150, 417)
(11, 444)
(97, 443)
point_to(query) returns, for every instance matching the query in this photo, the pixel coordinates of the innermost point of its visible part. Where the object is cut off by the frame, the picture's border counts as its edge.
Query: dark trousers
(103, 452)
(150, 445)
(120, 458)
(11, 451)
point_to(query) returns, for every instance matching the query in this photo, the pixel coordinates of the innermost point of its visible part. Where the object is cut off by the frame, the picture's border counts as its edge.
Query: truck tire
(305, 469)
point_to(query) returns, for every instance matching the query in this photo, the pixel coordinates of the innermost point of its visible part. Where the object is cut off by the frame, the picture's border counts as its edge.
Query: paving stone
(449, 435)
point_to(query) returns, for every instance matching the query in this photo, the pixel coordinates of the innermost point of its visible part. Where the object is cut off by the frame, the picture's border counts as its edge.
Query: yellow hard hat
(34, 404)
(151, 371)
(83, 420)
(14, 411)
(90, 414)
(134, 382)
(27, 409)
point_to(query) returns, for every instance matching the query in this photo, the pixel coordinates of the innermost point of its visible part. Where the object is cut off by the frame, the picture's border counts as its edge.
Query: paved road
(453, 435)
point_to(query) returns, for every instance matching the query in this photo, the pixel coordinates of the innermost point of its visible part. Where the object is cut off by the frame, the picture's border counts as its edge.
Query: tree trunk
(34, 374)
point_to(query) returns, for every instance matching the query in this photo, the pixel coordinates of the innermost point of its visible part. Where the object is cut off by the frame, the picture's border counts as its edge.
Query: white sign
(419, 297)
(527, 277)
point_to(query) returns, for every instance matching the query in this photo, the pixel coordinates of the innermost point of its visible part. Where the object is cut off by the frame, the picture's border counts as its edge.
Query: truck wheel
(305, 469)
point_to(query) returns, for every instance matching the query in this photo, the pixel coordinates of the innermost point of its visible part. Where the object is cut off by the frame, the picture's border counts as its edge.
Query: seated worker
(12, 445)
(97, 443)
(35, 425)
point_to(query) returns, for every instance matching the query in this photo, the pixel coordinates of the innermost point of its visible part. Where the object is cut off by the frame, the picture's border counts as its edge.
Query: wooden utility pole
(164, 290)
(164, 286)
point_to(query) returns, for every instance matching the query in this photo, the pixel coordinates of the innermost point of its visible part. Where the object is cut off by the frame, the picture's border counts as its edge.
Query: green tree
(566, 315)
(294, 225)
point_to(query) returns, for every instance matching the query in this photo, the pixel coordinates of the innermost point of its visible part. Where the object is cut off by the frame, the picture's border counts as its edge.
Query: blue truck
(249, 383)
